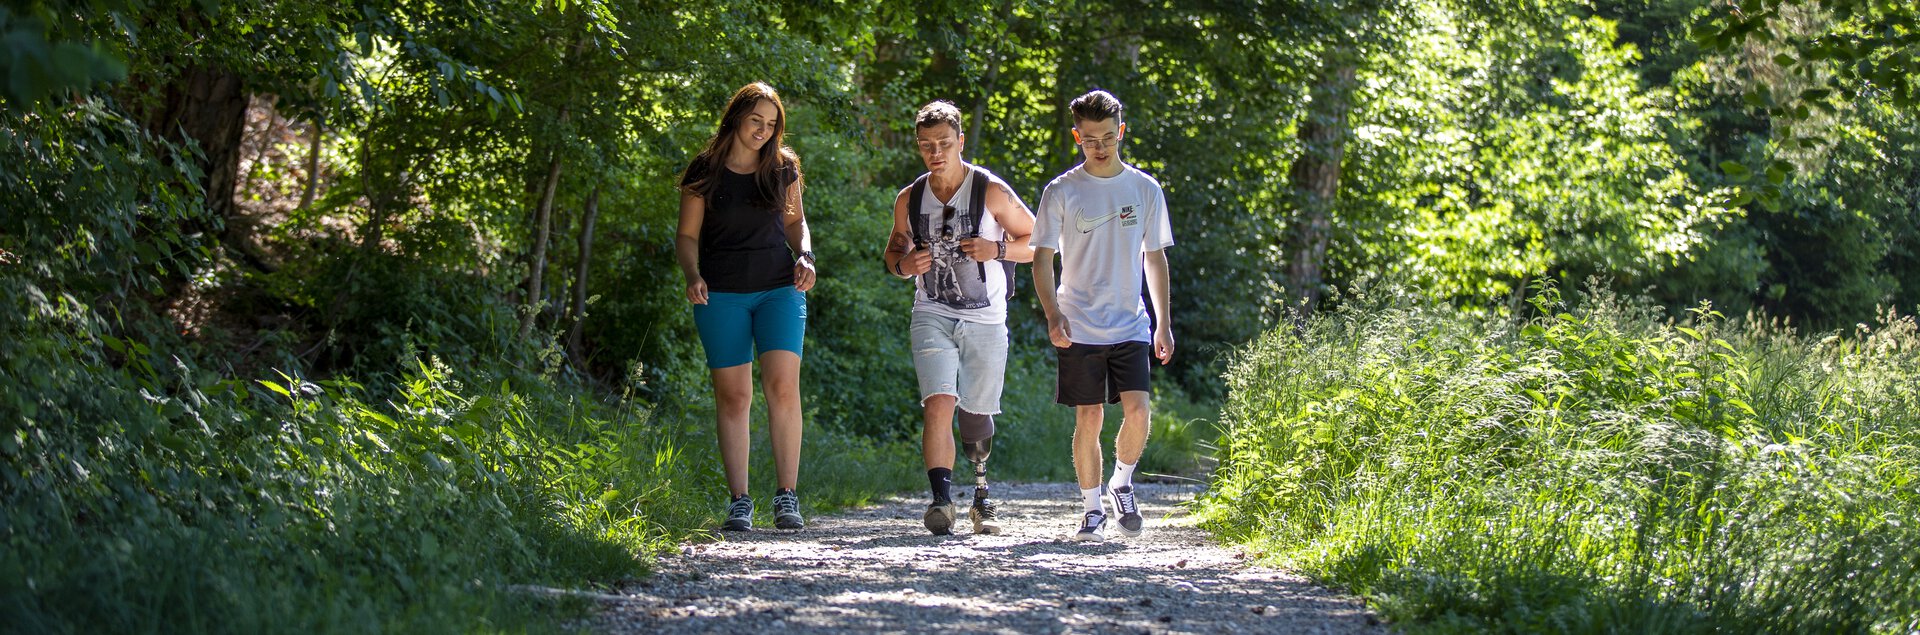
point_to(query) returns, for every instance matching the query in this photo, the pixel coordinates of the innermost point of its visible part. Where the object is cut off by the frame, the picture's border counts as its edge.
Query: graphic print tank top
(958, 287)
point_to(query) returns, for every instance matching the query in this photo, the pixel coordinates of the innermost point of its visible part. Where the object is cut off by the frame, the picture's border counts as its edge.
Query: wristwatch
(1003, 249)
(808, 254)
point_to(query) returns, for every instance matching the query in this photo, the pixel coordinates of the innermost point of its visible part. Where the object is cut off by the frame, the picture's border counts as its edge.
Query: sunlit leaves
(1494, 172)
(1829, 55)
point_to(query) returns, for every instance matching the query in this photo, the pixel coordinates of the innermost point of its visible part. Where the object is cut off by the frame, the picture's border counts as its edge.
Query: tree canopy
(361, 182)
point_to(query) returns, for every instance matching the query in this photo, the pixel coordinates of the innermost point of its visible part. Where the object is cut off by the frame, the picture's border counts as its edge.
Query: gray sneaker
(786, 511)
(985, 515)
(739, 515)
(1131, 524)
(940, 517)
(1093, 528)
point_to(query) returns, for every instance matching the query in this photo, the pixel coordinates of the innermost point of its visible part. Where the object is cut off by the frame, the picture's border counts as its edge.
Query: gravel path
(877, 570)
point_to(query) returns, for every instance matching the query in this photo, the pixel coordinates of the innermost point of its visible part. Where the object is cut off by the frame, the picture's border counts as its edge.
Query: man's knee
(1089, 417)
(976, 435)
(1135, 405)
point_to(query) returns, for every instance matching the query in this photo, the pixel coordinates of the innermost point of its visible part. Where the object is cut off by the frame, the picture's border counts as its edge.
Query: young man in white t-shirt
(957, 257)
(1108, 222)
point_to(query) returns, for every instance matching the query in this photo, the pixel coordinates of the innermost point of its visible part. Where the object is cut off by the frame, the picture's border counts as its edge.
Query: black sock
(942, 481)
(783, 490)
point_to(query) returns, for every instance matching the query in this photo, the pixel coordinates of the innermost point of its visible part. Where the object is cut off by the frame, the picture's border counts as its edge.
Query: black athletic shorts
(1092, 374)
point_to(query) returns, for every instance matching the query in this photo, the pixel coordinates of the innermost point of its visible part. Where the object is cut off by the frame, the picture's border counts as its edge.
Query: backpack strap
(917, 220)
(977, 199)
(976, 210)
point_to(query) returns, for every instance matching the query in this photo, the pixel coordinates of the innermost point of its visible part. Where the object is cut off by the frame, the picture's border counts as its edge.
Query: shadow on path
(876, 569)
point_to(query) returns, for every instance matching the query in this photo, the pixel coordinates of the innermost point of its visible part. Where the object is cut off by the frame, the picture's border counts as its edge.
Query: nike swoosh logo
(1090, 224)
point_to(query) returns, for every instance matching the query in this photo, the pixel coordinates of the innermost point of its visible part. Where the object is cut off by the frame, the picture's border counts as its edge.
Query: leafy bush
(142, 490)
(1589, 469)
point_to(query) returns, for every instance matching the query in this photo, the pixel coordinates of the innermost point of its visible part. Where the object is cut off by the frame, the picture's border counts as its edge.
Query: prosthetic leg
(976, 440)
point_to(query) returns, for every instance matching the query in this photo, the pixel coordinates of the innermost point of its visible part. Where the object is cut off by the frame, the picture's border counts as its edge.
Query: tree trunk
(543, 220)
(978, 138)
(562, 227)
(542, 229)
(380, 193)
(313, 165)
(1066, 86)
(1316, 177)
(208, 106)
(239, 227)
(579, 311)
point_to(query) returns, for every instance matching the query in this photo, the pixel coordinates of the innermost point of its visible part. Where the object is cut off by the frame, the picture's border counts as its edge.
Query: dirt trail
(877, 570)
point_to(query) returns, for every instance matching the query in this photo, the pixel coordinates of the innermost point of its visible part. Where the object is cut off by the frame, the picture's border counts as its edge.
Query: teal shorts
(736, 327)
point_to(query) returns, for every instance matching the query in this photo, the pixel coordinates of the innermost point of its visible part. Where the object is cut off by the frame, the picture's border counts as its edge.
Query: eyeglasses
(1101, 143)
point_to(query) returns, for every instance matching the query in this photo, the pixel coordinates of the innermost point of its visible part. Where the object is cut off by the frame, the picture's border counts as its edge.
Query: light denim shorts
(960, 358)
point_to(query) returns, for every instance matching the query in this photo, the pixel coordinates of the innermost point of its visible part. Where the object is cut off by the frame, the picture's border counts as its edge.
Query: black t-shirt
(743, 238)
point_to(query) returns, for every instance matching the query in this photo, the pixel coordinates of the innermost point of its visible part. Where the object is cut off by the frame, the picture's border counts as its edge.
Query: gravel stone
(877, 569)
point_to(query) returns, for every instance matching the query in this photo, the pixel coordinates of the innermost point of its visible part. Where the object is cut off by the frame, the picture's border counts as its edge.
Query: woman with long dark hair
(744, 247)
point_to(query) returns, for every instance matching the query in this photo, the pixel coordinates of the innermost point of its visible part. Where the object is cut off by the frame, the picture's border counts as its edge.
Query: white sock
(1092, 498)
(1122, 475)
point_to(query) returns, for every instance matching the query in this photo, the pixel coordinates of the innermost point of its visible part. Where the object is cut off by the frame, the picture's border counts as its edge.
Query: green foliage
(1871, 48)
(238, 507)
(1589, 468)
(145, 491)
(1803, 63)
(1804, 110)
(37, 68)
(85, 185)
(1564, 170)
(1828, 193)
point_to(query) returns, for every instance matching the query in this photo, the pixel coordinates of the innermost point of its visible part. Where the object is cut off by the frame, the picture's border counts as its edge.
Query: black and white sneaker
(739, 514)
(786, 510)
(1131, 524)
(940, 517)
(985, 515)
(1093, 528)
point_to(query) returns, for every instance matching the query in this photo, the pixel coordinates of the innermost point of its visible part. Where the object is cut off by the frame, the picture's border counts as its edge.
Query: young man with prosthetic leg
(957, 232)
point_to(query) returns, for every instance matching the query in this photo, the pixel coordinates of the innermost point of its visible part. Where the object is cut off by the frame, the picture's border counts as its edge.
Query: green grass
(1594, 469)
(143, 494)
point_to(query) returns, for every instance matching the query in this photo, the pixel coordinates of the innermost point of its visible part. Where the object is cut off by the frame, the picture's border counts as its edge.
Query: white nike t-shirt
(1102, 227)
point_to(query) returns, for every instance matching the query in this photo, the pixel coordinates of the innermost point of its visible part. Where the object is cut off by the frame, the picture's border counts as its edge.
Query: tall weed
(1593, 468)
